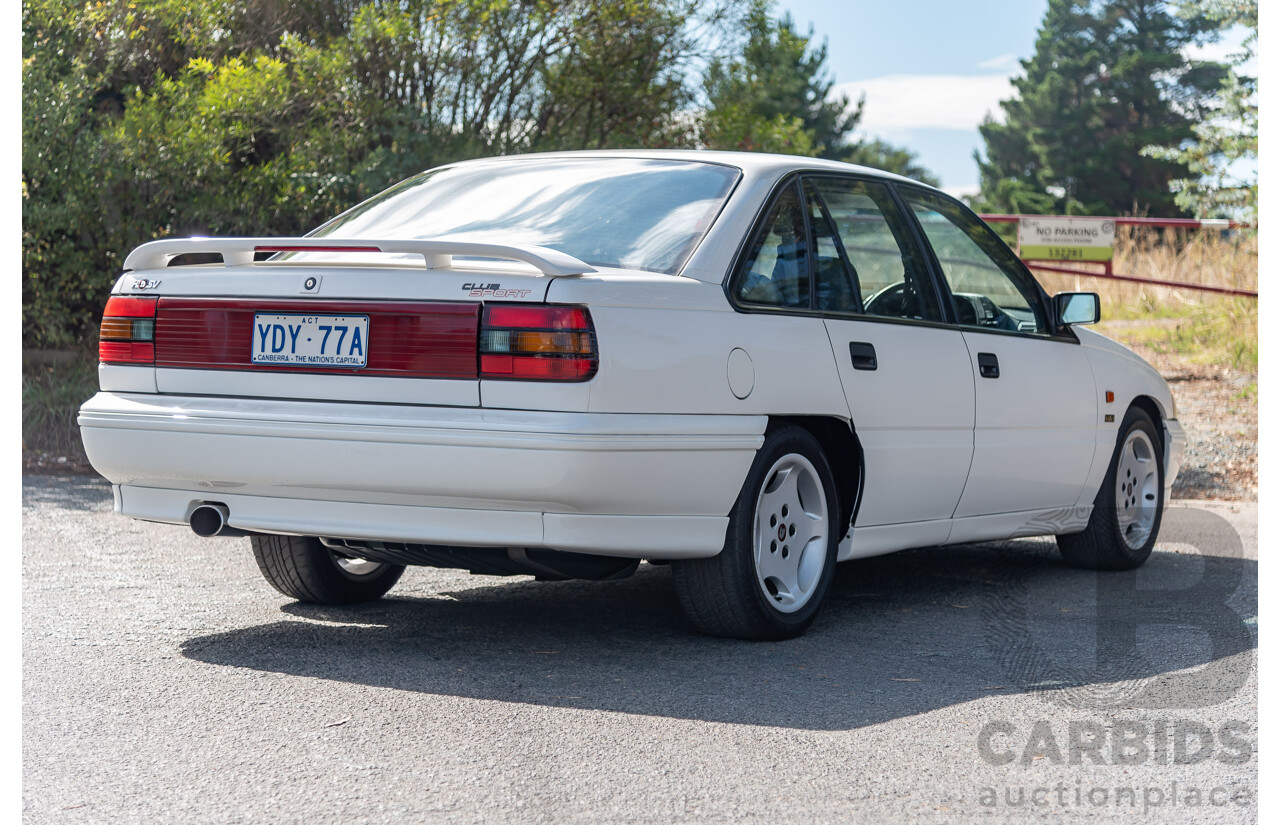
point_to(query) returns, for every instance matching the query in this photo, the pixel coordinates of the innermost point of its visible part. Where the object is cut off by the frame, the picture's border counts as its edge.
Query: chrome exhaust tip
(211, 520)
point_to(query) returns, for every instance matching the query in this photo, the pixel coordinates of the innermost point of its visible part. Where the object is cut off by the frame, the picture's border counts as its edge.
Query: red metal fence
(1159, 223)
(1155, 223)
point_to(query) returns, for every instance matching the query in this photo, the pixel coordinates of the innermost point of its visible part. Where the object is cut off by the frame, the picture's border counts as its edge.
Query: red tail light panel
(537, 343)
(406, 339)
(127, 331)
(126, 352)
(128, 306)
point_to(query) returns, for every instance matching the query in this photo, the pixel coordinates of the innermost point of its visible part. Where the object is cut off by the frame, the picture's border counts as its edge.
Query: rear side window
(989, 286)
(865, 259)
(776, 272)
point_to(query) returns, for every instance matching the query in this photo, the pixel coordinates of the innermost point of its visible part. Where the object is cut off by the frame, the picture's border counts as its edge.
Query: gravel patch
(1218, 407)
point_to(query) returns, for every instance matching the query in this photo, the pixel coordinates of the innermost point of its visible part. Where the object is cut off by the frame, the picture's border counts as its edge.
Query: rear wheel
(771, 578)
(304, 569)
(1127, 510)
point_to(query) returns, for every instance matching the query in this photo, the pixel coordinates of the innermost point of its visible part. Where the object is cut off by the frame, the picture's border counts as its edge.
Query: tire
(1127, 510)
(761, 585)
(302, 568)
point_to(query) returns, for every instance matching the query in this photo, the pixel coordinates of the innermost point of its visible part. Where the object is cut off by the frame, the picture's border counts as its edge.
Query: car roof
(754, 164)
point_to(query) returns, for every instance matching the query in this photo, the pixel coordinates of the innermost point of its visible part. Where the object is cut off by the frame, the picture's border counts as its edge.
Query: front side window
(777, 270)
(988, 285)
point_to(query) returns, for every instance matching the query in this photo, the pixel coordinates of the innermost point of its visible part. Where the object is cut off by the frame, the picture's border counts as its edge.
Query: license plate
(311, 340)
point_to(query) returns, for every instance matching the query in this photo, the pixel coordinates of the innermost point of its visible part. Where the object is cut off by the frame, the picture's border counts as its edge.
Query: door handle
(863, 355)
(988, 365)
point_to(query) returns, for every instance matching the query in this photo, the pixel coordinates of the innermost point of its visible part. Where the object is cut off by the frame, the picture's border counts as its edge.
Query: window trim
(806, 186)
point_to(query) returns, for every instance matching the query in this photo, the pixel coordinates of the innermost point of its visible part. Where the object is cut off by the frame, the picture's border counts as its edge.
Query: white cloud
(1003, 63)
(897, 104)
(1229, 46)
(1212, 51)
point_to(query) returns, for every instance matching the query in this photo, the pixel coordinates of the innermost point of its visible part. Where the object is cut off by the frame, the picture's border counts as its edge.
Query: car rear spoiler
(438, 253)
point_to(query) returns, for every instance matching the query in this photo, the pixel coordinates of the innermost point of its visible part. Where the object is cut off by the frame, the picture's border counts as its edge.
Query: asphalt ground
(164, 681)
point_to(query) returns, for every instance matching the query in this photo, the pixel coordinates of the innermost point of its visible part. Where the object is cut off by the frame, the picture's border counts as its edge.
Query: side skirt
(889, 538)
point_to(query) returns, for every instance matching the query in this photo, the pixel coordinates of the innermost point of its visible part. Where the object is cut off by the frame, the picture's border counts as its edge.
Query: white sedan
(748, 366)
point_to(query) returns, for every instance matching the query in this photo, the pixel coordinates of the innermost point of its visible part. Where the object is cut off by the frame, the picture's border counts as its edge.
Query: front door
(1036, 401)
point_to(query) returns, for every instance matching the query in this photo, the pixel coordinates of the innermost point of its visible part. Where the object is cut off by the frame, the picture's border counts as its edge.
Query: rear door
(906, 376)
(1037, 406)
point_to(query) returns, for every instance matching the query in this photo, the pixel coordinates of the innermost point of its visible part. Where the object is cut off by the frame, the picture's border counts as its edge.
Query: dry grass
(52, 391)
(1205, 344)
(1207, 328)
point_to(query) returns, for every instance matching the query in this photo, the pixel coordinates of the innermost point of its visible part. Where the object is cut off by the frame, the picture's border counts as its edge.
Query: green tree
(79, 62)
(146, 118)
(880, 154)
(620, 80)
(143, 118)
(776, 97)
(778, 87)
(1228, 134)
(1106, 79)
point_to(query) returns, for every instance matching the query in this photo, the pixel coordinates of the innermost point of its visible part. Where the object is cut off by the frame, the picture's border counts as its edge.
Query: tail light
(128, 331)
(537, 343)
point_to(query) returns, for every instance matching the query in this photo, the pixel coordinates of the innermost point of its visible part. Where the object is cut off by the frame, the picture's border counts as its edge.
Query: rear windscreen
(608, 212)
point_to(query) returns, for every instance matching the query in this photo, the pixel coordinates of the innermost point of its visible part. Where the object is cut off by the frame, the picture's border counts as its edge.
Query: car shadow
(901, 635)
(84, 492)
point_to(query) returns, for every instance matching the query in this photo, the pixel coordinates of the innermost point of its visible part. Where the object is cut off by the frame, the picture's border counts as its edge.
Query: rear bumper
(651, 486)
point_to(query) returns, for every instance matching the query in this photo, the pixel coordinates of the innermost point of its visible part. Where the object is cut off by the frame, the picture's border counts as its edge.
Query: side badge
(311, 284)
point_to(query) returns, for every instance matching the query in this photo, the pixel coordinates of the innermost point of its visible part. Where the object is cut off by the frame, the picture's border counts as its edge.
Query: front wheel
(304, 569)
(771, 578)
(1126, 512)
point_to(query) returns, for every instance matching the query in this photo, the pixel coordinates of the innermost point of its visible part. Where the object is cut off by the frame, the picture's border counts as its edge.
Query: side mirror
(1077, 308)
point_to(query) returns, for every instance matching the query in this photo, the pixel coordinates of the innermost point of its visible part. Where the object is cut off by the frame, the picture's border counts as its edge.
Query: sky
(931, 69)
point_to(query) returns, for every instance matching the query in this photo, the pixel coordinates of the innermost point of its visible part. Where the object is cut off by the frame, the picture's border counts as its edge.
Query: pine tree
(1106, 80)
(777, 98)
(1229, 134)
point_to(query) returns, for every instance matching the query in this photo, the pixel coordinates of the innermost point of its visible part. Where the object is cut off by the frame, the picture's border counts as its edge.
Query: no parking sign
(1066, 239)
